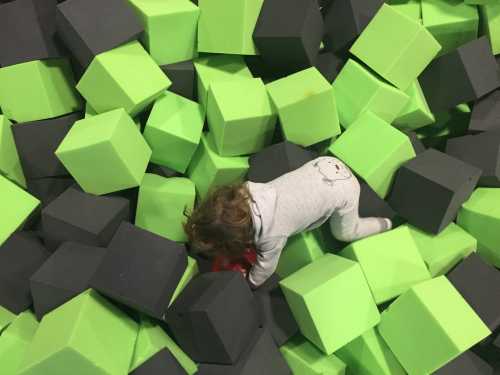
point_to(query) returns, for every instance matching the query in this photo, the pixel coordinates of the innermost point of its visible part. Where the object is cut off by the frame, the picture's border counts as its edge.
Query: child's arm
(268, 255)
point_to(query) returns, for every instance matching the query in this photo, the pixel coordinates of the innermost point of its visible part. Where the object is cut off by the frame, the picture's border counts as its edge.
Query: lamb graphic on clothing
(331, 170)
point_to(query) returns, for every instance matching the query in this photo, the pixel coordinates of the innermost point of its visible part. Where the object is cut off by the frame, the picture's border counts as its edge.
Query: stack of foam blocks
(119, 115)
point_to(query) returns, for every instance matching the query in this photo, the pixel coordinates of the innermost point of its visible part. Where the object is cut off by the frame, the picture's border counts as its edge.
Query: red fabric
(243, 264)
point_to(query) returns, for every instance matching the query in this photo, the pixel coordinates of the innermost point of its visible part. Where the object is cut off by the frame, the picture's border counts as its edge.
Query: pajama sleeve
(268, 255)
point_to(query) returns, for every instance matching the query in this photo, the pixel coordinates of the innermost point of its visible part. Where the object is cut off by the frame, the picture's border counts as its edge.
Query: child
(261, 216)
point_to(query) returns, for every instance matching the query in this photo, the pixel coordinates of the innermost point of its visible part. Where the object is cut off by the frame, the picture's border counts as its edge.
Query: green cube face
(6, 317)
(390, 261)
(331, 302)
(430, 325)
(161, 205)
(173, 131)
(88, 335)
(416, 114)
(389, 149)
(302, 98)
(105, 153)
(357, 90)
(490, 13)
(38, 90)
(480, 216)
(10, 165)
(410, 8)
(190, 272)
(401, 58)
(170, 29)
(240, 116)
(16, 205)
(124, 77)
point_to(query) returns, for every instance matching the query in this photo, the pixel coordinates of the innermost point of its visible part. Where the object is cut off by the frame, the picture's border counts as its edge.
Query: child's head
(222, 223)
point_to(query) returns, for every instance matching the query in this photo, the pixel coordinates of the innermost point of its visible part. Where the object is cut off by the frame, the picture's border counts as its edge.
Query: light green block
(430, 325)
(88, 335)
(300, 250)
(369, 355)
(410, 8)
(240, 116)
(209, 170)
(331, 302)
(226, 26)
(480, 2)
(416, 114)
(105, 153)
(38, 90)
(390, 262)
(173, 131)
(305, 97)
(89, 111)
(401, 58)
(151, 340)
(305, 359)
(190, 272)
(124, 77)
(16, 206)
(490, 14)
(6, 317)
(480, 216)
(451, 22)
(14, 342)
(388, 148)
(170, 29)
(443, 251)
(161, 205)
(356, 90)
(10, 165)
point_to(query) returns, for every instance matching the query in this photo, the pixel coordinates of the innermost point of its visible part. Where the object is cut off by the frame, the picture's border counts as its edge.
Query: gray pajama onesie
(301, 200)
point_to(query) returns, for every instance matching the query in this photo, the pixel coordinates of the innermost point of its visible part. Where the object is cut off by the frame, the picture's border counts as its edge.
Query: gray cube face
(162, 362)
(183, 78)
(467, 363)
(486, 114)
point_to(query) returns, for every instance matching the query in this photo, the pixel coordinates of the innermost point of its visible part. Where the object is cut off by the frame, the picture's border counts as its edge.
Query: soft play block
(191, 271)
(84, 218)
(369, 355)
(162, 203)
(429, 189)
(430, 325)
(443, 251)
(417, 143)
(491, 15)
(410, 8)
(401, 58)
(17, 205)
(10, 164)
(371, 205)
(480, 216)
(98, 338)
(173, 131)
(305, 97)
(6, 317)
(356, 91)
(240, 116)
(467, 363)
(105, 153)
(87, 28)
(49, 188)
(486, 114)
(48, 87)
(452, 23)
(15, 341)
(389, 149)
(161, 362)
(163, 171)
(226, 26)
(183, 78)
(331, 295)
(113, 80)
(208, 169)
(416, 113)
(329, 65)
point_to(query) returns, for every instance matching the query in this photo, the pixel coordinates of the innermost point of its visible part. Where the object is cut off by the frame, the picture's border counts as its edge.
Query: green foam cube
(161, 205)
(410, 8)
(226, 26)
(305, 359)
(6, 317)
(124, 77)
(430, 325)
(480, 2)
(490, 13)
(38, 90)
(330, 301)
(88, 335)
(401, 58)
(10, 165)
(190, 272)
(300, 250)
(173, 131)
(480, 216)
(389, 149)
(17, 205)
(416, 114)
(240, 116)
(105, 153)
(357, 90)
(390, 261)
(150, 340)
(452, 23)
(170, 29)
(369, 355)
(209, 170)
(305, 97)
(15, 340)
(443, 251)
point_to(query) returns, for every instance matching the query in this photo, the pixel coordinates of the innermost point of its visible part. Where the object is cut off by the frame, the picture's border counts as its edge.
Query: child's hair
(222, 223)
